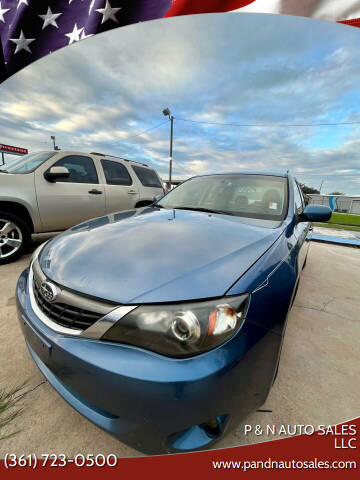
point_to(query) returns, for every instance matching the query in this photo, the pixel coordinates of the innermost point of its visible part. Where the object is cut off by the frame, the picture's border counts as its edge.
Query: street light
(53, 139)
(167, 113)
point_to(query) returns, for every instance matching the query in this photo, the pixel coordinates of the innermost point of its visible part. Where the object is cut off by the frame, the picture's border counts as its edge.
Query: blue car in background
(164, 325)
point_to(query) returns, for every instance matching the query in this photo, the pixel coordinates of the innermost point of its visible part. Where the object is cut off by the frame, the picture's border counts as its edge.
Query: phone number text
(52, 460)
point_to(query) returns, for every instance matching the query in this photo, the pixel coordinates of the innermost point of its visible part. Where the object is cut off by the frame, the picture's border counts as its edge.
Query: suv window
(29, 163)
(147, 177)
(299, 206)
(82, 169)
(115, 173)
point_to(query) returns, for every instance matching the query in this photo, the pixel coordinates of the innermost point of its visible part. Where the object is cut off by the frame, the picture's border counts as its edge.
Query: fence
(337, 204)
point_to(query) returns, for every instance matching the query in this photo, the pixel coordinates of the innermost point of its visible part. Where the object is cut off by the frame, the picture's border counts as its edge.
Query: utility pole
(321, 184)
(171, 147)
(167, 113)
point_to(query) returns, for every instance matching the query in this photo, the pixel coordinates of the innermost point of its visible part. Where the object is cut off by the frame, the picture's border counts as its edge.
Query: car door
(301, 228)
(71, 200)
(121, 191)
(309, 225)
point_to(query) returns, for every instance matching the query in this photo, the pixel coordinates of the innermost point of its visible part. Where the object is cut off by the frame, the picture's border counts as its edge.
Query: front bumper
(154, 403)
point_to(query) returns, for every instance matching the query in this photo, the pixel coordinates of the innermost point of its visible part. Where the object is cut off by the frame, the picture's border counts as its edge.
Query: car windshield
(28, 163)
(244, 195)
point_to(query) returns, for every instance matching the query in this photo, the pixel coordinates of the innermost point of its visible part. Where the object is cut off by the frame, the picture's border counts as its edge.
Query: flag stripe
(184, 7)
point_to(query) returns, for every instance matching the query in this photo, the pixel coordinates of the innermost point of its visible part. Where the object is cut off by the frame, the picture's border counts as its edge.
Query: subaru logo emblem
(49, 291)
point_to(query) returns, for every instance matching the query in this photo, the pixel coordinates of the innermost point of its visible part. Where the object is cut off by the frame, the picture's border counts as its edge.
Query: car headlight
(36, 253)
(180, 330)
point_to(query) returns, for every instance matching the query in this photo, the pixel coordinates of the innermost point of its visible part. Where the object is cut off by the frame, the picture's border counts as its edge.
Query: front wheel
(14, 237)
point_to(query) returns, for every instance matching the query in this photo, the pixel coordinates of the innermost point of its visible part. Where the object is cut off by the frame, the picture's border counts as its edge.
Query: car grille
(66, 315)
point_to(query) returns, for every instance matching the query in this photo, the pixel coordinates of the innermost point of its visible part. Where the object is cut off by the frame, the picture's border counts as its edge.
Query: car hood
(155, 255)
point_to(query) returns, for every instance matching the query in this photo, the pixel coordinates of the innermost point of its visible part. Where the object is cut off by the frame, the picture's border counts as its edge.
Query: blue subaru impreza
(164, 325)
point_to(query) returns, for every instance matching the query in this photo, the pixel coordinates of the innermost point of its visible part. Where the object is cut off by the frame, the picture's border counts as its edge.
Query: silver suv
(55, 190)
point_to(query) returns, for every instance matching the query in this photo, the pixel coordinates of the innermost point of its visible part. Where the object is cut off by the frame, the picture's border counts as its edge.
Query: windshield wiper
(201, 209)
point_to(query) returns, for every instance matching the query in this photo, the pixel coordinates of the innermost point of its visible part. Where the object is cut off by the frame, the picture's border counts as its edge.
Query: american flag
(344, 11)
(31, 29)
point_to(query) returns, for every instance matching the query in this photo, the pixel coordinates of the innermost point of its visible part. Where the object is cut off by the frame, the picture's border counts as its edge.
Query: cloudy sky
(263, 70)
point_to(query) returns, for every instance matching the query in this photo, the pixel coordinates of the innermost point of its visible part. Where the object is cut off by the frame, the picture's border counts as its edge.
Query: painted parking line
(337, 240)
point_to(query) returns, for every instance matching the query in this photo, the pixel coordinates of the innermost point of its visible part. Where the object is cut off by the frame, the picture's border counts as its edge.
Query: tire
(15, 237)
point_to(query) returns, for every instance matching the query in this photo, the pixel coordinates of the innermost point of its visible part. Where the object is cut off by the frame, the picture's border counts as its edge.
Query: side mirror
(157, 198)
(56, 173)
(316, 213)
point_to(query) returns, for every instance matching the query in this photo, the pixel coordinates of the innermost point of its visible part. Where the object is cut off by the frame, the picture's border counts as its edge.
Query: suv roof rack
(127, 160)
(120, 158)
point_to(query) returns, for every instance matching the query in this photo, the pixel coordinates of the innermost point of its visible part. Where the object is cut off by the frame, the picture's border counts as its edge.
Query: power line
(267, 125)
(148, 130)
(115, 138)
(127, 138)
(132, 136)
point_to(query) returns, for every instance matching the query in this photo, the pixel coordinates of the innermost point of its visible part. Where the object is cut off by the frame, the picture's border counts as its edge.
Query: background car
(54, 190)
(164, 325)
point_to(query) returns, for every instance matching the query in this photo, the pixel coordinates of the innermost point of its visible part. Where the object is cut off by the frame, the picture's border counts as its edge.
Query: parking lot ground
(317, 382)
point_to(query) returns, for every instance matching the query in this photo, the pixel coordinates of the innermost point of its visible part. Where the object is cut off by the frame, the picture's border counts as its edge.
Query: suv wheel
(14, 237)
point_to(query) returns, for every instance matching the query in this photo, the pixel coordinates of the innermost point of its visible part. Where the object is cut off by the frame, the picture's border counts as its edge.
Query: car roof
(113, 157)
(102, 155)
(248, 172)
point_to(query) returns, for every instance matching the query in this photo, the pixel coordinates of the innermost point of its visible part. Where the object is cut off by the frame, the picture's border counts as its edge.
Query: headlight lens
(36, 253)
(181, 330)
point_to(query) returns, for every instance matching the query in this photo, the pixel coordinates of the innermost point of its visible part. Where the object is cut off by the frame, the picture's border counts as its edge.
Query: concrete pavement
(317, 382)
(333, 235)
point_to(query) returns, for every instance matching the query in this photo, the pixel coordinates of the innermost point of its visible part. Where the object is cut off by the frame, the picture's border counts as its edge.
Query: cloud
(99, 94)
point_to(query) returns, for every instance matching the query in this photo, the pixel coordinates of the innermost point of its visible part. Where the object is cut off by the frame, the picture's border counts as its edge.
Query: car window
(82, 169)
(303, 198)
(244, 195)
(147, 177)
(298, 199)
(116, 173)
(29, 163)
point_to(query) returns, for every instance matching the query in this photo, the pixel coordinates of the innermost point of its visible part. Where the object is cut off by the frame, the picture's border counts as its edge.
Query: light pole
(53, 139)
(167, 113)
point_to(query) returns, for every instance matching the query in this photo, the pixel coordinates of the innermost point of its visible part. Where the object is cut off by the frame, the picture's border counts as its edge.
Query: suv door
(70, 200)
(120, 189)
